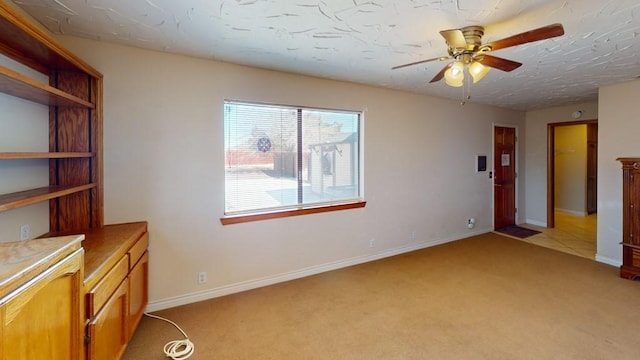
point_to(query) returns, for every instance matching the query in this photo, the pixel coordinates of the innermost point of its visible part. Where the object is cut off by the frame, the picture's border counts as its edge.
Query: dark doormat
(517, 231)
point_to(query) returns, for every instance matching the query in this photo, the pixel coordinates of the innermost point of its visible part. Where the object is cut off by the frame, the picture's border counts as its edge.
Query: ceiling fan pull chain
(468, 97)
(466, 90)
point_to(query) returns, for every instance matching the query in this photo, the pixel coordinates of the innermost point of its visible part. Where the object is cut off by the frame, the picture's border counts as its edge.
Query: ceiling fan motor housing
(473, 40)
(473, 36)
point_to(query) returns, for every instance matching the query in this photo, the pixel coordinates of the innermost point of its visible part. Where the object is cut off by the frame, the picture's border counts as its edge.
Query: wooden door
(108, 330)
(504, 190)
(138, 292)
(592, 168)
(42, 320)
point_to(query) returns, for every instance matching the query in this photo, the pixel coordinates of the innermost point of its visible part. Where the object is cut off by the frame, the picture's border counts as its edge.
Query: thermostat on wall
(481, 163)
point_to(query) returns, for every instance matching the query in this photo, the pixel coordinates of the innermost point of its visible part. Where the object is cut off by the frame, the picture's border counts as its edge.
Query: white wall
(535, 154)
(164, 163)
(571, 169)
(617, 137)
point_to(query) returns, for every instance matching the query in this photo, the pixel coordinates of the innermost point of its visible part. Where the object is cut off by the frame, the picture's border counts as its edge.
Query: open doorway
(572, 185)
(562, 165)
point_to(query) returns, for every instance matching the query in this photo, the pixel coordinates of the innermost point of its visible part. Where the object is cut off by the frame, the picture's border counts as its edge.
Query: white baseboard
(572, 212)
(608, 260)
(536, 222)
(313, 270)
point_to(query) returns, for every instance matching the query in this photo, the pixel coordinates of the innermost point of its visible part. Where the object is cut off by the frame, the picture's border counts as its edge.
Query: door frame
(551, 166)
(493, 171)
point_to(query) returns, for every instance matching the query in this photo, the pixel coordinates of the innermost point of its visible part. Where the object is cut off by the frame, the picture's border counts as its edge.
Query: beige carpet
(486, 297)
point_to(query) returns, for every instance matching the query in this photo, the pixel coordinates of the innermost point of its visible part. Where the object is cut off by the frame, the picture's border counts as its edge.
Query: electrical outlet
(372, 243)
(202, 277)
(24, 232)
(413, 235)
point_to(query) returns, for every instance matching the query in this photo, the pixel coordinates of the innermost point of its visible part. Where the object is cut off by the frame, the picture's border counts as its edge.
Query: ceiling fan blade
(440, 75)
(542, 33)
(441, 58)
(455, 38)
(497, 63)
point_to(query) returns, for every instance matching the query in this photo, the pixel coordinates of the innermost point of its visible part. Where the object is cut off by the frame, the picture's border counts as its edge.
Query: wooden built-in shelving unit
(95, 291)
(74, 98)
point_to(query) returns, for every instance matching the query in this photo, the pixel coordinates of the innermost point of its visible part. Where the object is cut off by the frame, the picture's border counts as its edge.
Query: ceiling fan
(466, 48)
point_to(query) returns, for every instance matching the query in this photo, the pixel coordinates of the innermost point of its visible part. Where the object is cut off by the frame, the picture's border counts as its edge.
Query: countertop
(21, 261)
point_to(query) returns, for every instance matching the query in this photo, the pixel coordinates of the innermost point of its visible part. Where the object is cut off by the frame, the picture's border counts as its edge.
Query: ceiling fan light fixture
(478, 71)
(454, 76)
(466, 47)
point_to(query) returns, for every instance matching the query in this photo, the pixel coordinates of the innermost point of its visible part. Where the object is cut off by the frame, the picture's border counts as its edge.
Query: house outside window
(280, 158)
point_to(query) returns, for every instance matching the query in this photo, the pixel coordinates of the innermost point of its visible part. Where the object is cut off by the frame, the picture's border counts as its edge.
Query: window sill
(228, 220)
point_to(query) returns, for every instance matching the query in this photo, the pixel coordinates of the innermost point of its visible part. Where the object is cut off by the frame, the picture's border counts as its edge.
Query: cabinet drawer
(635, 257)
(100, 293)
(138, 249)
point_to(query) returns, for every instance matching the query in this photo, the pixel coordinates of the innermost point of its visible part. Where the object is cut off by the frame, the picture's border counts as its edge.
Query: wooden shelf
(16, 84)
(28, 197)
(28, 44)
(44, 155)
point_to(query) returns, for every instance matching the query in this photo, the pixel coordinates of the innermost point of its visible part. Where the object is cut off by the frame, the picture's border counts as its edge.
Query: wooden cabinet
(630, 268)
(116, 286)
(40, 299)
(74, 97)
(112, 326)
(61, 300)
(73, 296)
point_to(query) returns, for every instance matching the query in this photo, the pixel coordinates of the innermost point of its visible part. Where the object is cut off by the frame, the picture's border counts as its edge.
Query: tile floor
(573, 234)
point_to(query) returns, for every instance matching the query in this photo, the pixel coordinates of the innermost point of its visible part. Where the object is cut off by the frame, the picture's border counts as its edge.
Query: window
(282, 158)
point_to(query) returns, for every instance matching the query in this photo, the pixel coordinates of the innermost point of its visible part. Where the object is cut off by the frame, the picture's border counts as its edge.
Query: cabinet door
(43, 319)
(138, 291)
(107, 331)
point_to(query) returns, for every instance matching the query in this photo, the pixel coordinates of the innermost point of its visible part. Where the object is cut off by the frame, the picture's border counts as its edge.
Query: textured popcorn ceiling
(360, 40)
